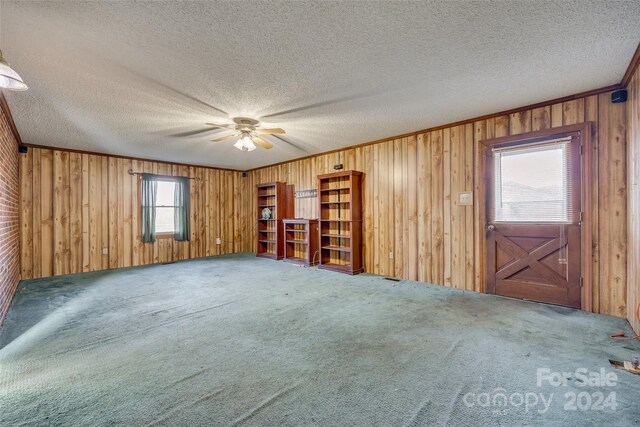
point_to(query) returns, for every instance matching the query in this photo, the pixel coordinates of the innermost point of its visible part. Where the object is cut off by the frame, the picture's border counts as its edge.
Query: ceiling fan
(246, 130)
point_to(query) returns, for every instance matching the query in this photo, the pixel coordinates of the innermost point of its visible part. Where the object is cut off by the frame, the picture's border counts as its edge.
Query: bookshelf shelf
(337, 248)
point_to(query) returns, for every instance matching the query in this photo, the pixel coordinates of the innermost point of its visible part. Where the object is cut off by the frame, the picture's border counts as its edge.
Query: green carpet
(238, 340)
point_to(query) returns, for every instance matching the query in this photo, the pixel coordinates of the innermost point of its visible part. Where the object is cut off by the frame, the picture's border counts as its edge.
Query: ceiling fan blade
(224, 137)
(261, 142)
(232, 127)
(269, 131)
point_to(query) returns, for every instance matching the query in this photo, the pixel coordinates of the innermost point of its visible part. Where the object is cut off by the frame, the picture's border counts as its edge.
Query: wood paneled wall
(414, 227)
(75, 206)
(633, 159)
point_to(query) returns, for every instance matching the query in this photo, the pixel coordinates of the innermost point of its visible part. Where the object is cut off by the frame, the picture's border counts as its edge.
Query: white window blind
(532, 183)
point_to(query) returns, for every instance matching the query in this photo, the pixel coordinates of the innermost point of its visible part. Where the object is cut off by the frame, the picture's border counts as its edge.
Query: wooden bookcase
(340, 212)
(301, 241)
(278, 197)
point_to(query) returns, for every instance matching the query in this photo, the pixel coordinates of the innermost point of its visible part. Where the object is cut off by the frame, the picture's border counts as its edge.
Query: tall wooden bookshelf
(277, 197)
(340, 216)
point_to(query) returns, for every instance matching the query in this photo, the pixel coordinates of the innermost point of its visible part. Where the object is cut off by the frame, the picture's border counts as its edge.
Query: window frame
(163, 235)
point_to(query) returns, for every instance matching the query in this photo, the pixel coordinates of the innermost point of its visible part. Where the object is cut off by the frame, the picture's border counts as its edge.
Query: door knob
(491, 227)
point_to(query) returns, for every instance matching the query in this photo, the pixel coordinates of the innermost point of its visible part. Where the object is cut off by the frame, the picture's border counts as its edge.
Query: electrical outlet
(390, 254)
(105, 251)
(218, 241)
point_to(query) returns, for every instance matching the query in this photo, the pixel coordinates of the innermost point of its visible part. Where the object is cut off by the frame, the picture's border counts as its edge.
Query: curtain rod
(132, 173)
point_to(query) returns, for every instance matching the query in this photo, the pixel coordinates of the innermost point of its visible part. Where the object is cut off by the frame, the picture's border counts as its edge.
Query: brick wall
(9, 216)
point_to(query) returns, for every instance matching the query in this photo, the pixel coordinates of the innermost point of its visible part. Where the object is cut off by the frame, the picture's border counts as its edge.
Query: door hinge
(581, 150)
(581, 218)
(581, 282)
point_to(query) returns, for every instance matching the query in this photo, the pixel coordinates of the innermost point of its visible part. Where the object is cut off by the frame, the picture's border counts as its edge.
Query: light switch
(466, 199)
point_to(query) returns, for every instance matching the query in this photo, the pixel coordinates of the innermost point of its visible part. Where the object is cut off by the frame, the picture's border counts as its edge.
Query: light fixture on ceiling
(245, 143)
(249, 132)
(9, 79)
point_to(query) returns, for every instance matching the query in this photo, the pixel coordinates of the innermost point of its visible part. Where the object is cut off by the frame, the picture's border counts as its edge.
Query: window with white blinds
(531, 182)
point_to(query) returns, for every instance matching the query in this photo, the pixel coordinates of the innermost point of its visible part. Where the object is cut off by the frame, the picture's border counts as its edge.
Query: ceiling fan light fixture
(245, 144)
(9, 79)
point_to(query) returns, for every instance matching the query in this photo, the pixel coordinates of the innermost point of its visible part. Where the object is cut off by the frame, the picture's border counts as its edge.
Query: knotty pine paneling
(633, 162)
(75, 205)
(414, 227)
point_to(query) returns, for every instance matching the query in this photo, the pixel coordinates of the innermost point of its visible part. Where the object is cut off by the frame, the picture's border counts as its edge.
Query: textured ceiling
(126, 77)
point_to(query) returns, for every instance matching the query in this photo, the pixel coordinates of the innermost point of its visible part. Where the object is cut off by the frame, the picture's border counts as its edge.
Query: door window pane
(531, 184)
